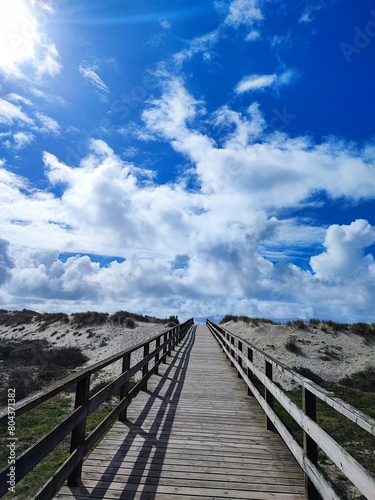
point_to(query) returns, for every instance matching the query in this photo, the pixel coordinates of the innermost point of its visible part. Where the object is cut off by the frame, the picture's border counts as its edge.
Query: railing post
(309, 445)
(171, 344)
(249, 371)
(157, 355)
(165, 338)
(232, 351)
(226, 335)
(146, 352)
(79, 432)
(268, 396)
(125, 388)
(239, 358)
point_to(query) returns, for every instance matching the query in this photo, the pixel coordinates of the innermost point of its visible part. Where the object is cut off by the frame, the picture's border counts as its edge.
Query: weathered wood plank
(359, 476)
(194, 434)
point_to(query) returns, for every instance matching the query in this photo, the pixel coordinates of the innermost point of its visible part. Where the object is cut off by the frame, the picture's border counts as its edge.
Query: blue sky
(197, 158)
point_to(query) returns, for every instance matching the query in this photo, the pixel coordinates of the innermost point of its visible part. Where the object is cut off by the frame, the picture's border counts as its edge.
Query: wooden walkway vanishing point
(194, 434)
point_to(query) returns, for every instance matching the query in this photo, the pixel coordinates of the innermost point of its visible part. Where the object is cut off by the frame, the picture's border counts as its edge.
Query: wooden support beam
(249, 371)
(79, 432)
(268, 396)
(125, 388)
(310, 447)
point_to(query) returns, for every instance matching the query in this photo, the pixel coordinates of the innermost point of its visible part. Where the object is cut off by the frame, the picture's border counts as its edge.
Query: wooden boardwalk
(195, 434)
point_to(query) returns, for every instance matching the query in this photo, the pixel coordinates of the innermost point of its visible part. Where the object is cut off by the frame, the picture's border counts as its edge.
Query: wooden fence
(241, 355)
(75, 423)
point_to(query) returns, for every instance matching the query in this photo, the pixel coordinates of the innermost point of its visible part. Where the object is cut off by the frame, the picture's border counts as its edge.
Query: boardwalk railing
(241, 355)
(75, 423)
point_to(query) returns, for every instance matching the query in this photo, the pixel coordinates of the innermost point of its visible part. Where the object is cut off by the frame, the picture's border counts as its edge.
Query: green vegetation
(79, 319)
(89, 318)
(125, 317)
(298, 323)
(292, 346)
(306, 372)
(246, 319)
(362, 381)
(37, 423)
(16, 318)
(29, 365)
(357, 390)
(365, 330)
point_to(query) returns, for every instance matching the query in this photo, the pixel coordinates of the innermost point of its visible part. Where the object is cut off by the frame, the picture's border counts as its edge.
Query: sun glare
(18, 34)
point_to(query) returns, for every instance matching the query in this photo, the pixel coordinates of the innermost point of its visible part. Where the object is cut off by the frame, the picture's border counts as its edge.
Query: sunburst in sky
(18, 34)
(191, 158)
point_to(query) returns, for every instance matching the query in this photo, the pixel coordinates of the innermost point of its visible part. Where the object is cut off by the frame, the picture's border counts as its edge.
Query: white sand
(330, 355)
(97, 342)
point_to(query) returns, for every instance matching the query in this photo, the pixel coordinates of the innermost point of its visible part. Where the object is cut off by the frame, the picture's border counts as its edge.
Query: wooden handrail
(75, 423)
(314, 436)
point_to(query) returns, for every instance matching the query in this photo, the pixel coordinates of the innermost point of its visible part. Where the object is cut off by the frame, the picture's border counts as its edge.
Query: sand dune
(332, 355)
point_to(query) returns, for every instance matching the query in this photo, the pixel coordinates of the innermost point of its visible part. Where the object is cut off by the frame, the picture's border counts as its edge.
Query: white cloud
(344, 257)
(48, 61)
(48, 124)
(44, 5)
(18, 37)
(23, 43)
(252, 36)
(47, 97)
(6, 262)
(22, 139)
(254, 82)
(88, 71)
(180, 244)
(263, 169)
(243, 12)
(10, 113)
(259, 82)
(202, 44)
(164, 23)
(18, 98)
(307, 16)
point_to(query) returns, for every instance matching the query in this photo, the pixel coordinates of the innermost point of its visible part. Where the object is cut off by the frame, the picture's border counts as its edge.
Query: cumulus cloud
(6, 262)
(218, 247)
(277, 171)
(345, 256)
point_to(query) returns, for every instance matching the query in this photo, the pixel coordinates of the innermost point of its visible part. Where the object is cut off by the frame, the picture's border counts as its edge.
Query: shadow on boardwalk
(195, 435)
(161, 406)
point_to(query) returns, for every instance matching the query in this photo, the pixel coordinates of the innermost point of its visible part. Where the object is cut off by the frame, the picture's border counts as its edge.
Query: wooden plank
(190, 436)
(165, 492)
(358, 417)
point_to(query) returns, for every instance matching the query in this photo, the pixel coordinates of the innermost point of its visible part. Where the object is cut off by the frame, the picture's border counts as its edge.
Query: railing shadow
(155, 433)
